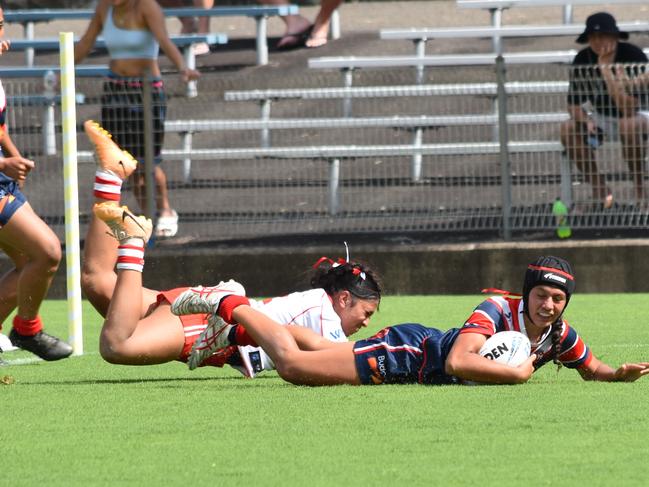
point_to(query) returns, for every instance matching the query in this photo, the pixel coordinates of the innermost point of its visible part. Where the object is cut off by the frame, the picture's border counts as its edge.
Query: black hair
(556, 272)
(361, 281)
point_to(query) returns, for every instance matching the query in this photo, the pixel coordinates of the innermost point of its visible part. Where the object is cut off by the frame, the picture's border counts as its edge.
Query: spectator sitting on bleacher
(300, 32)
(601, 104)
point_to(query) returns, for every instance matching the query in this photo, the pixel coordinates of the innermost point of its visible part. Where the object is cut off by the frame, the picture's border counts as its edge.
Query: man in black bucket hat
(605, 100)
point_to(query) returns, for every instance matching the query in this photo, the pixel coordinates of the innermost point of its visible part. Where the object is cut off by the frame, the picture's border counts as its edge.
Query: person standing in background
(134, 30)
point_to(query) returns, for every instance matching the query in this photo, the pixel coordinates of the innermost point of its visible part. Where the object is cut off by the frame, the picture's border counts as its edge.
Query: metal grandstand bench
(334, 155)
(417, 124)
(421, 36)
(496, 7)
(186, 128)
(348, 64)
(184, 41)
(260, 15)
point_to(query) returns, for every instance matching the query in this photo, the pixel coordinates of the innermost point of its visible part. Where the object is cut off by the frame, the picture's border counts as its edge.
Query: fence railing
(487, 147)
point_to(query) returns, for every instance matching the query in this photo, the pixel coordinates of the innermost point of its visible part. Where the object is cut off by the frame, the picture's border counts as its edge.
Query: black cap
(601, 22)
(549, 271)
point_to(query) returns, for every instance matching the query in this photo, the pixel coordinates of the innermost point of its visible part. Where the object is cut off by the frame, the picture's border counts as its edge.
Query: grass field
(83, 422)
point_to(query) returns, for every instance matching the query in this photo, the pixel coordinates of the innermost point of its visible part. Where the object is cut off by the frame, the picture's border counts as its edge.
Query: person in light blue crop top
(134, 30)
(32, 247)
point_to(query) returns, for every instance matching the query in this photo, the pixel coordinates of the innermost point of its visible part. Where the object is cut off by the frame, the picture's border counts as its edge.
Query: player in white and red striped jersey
(140, 329)
(344, 297)
(330, 314)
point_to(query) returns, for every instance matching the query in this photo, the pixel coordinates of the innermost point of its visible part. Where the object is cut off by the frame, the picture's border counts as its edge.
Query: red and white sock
(107, 185)
(130, 255)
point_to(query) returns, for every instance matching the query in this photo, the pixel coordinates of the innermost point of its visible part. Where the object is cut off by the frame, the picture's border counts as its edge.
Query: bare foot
(318, 37)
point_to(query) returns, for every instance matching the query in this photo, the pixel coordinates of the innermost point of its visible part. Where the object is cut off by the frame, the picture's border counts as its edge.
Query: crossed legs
(136, 330)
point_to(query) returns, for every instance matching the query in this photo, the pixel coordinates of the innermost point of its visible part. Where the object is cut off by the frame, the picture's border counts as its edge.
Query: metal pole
(149, 168)
(262, 40)
(565, 171)
(187, 161)
(505, 170)
(567, 14)
(29, 52)
(496, 21)
(420, 51)
(265, 117)
(49, 123)
(348, 81)
(334, 25)
(416, 157)
(190, 62)
(334, 179)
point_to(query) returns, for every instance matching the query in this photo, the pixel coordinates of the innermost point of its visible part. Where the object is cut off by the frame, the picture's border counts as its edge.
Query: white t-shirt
(310, 309)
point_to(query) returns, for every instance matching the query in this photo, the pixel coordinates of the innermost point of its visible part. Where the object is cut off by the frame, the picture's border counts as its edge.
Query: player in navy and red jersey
(413, 353)
(141, 330)
(32, 246)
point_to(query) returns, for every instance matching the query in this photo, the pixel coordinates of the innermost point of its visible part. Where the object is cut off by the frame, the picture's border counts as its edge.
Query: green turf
(83, 422)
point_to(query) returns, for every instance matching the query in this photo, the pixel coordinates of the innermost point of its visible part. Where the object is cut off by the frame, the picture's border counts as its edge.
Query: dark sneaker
(45, 346)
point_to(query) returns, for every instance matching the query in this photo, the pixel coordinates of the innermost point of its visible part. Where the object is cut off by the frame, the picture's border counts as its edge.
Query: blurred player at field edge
(31, 245)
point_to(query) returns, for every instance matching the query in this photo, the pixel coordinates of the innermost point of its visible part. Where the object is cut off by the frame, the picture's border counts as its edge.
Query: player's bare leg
(114, 166)
(37, 253)
(126, 337)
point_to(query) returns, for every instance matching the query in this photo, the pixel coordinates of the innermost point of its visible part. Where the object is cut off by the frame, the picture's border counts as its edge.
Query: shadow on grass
(171, 380)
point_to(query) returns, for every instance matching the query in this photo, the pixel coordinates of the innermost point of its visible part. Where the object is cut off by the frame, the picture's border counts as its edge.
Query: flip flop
(295, 40)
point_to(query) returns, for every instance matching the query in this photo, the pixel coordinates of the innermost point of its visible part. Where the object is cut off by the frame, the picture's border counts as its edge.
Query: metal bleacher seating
(260, 14)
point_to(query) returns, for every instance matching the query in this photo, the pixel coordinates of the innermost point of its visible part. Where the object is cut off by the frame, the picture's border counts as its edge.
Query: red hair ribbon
(321, 260)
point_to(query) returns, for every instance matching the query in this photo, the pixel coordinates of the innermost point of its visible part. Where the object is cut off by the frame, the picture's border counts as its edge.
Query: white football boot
(213, 338)
(206, 300)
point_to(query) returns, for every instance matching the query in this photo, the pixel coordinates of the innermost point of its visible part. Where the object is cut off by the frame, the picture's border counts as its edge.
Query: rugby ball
(507, 347)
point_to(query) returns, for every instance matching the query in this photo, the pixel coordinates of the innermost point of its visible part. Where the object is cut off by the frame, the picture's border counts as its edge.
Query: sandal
(167, 226)
(293, 41)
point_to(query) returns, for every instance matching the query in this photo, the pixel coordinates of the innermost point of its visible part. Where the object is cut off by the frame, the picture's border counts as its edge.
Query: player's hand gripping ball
(507, 347)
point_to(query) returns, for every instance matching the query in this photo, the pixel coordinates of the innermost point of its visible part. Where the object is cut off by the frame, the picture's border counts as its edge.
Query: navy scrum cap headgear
(549, 271)
(601, 22)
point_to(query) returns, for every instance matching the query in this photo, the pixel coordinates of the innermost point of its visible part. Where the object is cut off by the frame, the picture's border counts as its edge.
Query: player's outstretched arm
(598, 370)
(307, 339)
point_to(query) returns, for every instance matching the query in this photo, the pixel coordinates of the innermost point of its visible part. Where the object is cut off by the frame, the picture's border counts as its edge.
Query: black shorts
(122, 114)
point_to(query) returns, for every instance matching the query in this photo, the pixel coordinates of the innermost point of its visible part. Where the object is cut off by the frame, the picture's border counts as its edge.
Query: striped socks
(130, 255)
(107, 186)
